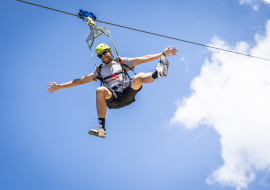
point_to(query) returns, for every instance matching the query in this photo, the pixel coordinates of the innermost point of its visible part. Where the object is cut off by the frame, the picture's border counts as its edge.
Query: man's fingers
(52, 91)
(50, 88)
(167, 48)
(174, 50)
(171, 52)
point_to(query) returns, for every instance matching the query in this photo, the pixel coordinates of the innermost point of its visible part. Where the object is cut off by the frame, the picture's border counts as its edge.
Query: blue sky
(44, 141)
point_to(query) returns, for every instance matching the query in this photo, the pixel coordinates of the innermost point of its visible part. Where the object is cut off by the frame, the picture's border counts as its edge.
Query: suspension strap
(92, 24)
(114, 45)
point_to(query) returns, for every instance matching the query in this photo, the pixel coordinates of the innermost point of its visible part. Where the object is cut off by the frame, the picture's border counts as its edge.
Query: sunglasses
(104, 53)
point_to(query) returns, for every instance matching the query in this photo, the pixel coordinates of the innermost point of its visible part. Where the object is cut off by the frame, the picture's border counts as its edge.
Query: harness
(95, 32)
(114, 75)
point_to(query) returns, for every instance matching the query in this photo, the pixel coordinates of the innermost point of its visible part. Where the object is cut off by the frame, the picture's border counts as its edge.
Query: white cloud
(267, 2)
(232, 94)
(254, 3)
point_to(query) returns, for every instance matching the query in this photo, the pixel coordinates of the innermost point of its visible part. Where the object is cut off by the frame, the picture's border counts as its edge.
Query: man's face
(106, 56)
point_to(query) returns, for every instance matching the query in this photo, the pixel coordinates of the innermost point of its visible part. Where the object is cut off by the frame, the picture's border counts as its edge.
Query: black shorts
(121, 97)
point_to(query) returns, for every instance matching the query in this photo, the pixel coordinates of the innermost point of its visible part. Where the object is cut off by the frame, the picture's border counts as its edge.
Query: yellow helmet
(101, 47)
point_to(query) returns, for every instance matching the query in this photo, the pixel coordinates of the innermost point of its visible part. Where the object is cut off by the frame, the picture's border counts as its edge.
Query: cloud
(232, 95)
(254, 3)
(267, 2)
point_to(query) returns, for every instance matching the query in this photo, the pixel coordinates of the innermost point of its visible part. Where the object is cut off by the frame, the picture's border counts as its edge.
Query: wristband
(164, 53)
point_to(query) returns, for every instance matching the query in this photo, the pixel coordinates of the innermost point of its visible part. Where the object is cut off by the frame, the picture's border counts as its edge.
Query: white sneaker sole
(96, 134)
(164, 65)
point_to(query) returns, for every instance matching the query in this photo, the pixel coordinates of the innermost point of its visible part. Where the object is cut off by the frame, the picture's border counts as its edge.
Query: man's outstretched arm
(54, 86)
(168, 52)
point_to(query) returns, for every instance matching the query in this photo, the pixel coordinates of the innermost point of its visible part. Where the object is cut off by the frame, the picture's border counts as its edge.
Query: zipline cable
(47, 8)
(149, 32)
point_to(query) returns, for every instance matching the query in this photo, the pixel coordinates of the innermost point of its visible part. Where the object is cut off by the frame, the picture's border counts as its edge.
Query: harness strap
(114, 75)
(124, 65)
(113, 78)
(98, 69)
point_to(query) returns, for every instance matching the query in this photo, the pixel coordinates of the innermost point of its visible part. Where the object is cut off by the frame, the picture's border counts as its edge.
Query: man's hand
(170, 52)
(147, 58)
(52, 87)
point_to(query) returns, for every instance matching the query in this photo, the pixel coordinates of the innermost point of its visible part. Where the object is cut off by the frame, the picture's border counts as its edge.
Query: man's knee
(101, 90)
(138, 76)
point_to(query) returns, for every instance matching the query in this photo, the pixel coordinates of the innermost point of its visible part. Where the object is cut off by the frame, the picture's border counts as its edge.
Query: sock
(102, 122)
(155, 74)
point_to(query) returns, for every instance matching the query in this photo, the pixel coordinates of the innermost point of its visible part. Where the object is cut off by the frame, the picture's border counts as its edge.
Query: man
(117, 91)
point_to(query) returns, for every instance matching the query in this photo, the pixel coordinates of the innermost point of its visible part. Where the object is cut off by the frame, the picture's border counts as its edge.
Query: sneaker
(99, 132)
(162, 67)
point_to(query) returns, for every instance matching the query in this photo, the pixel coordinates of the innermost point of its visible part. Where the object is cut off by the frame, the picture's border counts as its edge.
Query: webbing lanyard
(92, 24)
(93, 27)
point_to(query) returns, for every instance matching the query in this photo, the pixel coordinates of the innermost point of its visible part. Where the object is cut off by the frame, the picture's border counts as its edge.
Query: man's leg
(140, 78)
(103, 94)
(161, 71)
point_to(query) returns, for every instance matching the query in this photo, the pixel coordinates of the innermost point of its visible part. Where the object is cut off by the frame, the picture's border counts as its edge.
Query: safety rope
(91, 24)
(114, 46)
(90, 46)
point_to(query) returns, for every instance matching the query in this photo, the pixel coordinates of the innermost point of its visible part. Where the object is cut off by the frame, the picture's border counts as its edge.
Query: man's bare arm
(168, 52)
(85, 79)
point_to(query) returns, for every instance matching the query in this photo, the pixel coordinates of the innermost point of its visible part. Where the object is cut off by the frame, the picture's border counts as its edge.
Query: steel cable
(149, 32)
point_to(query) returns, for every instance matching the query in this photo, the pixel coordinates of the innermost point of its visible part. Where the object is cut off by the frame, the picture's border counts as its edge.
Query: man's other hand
(52, 87)
(170, 52)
